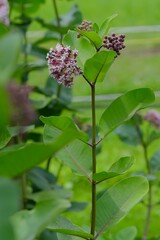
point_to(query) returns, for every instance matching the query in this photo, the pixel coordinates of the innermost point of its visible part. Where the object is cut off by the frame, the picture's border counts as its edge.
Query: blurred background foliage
(33, 29)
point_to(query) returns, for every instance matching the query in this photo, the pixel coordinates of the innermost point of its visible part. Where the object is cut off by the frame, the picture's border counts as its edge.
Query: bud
(115, 43)
(85, 26)
(62, 64)
(153, 117)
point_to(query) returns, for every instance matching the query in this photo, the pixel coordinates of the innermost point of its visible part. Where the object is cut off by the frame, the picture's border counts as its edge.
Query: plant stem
(149, 204)
(24, 191)
(93, 218)
(48, 163)
(57, 17)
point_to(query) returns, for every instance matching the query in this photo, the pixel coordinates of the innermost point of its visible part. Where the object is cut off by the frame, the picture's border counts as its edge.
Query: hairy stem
(93, 213)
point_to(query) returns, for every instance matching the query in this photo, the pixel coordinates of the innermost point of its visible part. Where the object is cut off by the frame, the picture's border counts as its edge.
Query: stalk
(93, 213)
(149, 204)
(57, 17)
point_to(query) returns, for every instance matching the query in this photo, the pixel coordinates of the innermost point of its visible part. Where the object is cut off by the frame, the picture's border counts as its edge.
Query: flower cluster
(113, 42)
(153, 117)
(22, 111)
(62, 64)
(4, 12)
(84, 26)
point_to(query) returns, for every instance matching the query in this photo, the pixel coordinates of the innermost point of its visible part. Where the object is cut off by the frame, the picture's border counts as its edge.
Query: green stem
(149, 204)
(57, 17)
(48, 163)
(24, 191)
(93, 217)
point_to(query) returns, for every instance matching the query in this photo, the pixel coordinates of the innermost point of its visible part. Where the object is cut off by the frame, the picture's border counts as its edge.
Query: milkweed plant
(89, 51)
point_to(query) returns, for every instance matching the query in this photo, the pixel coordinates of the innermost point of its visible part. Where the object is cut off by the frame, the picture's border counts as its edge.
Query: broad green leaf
(122, 165)
(62, 225)
(155, 162)
(19, 160)
(123, 108)
(95, 68)
(9, 190)
(85, 50)
(118, 200)
(62, 123)
(128, 134)
(77, 155)
(92, 36)
(106, 25)
(128, 233)
(4, 137)
(41, 179)
(118, 168)
(34, 221)
(10, 46)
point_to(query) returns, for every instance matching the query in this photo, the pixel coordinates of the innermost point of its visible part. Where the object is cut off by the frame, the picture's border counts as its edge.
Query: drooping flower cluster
(4, 12)
(22, 112)
(85, 26)
(114, 42)
(153, 117)
(62, 64)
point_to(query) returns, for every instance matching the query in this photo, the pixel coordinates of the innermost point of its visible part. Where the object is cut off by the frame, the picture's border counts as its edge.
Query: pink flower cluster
(153, 117)
(4, 12)
(62, 64)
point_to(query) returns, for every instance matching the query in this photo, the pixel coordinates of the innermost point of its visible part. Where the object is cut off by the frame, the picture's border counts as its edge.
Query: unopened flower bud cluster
(114, 42)
(153, 117)
(62, 64)
(85, 26)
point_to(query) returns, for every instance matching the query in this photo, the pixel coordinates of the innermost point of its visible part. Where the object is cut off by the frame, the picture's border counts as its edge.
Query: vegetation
(73, 168)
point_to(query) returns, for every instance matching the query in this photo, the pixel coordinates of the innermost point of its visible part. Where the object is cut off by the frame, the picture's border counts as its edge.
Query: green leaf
(85, 50)
(122, 165)
(9, 190)
(62, 225)
(77, 155)
(62, 123)
(41, 179)
(106, 25)
(118, 168)
(128, 233)
(92, 36)
(128, 134)
(95, 68)
(10, 46)
(4, 137)
(118, 200)
(155, 162)
(14, 162)
(123, 108)
(34, 221)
